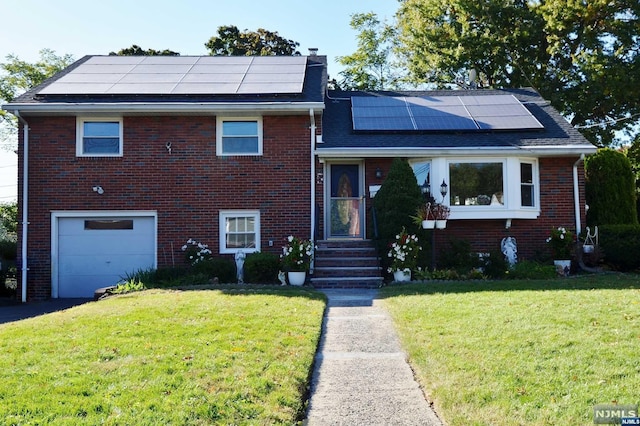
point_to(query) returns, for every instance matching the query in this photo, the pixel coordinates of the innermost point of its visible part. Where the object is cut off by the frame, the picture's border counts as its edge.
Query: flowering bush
(297, 254)
(195, 252)
(561, 241)
(404, 252)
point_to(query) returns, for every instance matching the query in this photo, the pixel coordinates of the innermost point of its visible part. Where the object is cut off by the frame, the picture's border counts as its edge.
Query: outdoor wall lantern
(378, 173)
(426, 190)
(443, 190)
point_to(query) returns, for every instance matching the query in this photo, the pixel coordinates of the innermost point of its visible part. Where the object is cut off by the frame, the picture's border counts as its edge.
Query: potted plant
(561, 241)
(441, 213)
(424, 216)
(296, 258)
(403, 252)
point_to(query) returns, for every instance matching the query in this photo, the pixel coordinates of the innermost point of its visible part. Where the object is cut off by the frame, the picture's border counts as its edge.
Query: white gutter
(556, 151)
(158, 107)
(25, 201)
(576, 195)
(312, 118)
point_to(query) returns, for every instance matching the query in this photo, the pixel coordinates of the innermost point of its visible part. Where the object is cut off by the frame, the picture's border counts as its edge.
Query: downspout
(576, 195)
(312, 119)
(25, 201)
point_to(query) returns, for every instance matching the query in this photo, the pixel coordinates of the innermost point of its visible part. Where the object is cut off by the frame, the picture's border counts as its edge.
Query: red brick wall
(187, 187)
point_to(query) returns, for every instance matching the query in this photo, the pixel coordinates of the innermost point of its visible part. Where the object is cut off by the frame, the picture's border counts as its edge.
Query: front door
(346, 202)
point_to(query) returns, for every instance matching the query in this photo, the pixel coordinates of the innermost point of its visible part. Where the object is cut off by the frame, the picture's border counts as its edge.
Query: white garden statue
(240, 256)
(510, 250)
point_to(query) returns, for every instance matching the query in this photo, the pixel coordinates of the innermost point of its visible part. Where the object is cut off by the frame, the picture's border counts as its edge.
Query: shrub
(529, 270)
(495, 265)
(8, 250)
(610, 189)
(621, 246)
(128, 286)
(459, 256)
(261, 268)
(222, 268)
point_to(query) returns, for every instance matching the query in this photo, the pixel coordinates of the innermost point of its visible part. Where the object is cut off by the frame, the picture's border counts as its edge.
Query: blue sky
(90, 27)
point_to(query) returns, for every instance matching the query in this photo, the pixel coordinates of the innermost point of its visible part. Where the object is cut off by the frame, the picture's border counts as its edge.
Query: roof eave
(165, 107)
(546, 151)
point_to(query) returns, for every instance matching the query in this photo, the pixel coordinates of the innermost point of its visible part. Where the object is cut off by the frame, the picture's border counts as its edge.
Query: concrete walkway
(361, 376)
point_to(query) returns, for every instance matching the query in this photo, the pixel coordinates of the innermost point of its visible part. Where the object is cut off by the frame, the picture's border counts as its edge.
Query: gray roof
(557, 137)
(183, 81)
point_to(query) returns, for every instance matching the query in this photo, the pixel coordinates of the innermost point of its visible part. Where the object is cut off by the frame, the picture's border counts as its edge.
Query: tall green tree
(581, 55)
(136, 50)
(230, 41)
(8, 220)
(373, 66)
(18, 76)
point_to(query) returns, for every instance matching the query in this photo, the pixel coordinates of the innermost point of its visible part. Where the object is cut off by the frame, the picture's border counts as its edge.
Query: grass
(164, 357)
(522, 352)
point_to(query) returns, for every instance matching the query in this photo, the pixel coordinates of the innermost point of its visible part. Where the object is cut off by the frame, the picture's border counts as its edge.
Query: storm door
(346, 201)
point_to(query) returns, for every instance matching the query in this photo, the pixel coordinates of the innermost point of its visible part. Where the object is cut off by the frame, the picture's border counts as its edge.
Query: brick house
(125, 158)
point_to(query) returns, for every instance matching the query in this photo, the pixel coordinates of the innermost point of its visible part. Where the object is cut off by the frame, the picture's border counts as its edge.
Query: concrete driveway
(10, 312)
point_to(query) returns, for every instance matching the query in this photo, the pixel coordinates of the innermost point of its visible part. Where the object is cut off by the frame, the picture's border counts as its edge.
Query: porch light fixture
(378, 173)
(426, 190)
(443, 189)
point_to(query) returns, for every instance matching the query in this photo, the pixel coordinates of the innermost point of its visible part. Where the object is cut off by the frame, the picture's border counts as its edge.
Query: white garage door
(96, 252)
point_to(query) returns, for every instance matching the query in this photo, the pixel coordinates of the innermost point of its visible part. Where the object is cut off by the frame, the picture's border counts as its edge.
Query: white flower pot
(428, 224)
(404, 275)
(563, 267)
(441, 224)
(296, 278)
(587, 248)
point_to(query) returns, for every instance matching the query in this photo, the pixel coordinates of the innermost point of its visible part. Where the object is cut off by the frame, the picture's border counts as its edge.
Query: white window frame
(535, 183)
(223, 215)
(80, 136)
(512, 207)
(219, 135)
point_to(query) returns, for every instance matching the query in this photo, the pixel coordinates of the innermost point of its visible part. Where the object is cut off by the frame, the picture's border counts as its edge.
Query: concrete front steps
(346, 264)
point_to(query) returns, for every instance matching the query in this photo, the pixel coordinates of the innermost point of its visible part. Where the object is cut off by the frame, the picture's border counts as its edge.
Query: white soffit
(184, 75)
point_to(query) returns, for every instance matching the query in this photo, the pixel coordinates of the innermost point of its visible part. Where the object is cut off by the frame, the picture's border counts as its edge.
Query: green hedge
(620, 245)
(261, 268)
(222, 268)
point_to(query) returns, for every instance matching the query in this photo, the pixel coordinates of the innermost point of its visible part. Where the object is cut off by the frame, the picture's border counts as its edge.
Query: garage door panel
(86, 265)
(106, 244)
(92, 258)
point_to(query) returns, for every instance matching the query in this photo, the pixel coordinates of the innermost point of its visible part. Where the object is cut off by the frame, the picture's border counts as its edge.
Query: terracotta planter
(296, 278)
(404, 275)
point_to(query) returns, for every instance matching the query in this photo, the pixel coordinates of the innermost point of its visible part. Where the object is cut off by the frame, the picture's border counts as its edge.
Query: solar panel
(163, 75)
(441, 113)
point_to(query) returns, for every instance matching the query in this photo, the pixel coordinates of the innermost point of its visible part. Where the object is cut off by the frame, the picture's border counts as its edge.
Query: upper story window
(476, 184)
(239, 231)
(99, 137)
(239, 136)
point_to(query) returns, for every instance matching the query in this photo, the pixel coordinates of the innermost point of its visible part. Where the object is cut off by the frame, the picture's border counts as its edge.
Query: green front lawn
(239, 356)
(522, 352)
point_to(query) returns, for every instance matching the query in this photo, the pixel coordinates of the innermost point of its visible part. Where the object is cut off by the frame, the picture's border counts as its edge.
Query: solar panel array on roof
(184, 75)
(441, 113)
